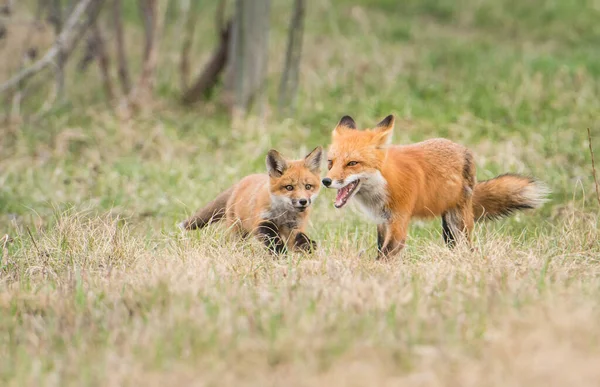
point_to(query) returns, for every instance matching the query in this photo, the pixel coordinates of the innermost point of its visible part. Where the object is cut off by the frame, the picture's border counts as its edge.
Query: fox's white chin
(346, 193)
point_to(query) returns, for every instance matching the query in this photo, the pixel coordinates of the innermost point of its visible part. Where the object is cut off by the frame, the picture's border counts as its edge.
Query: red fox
(273, 206)
(393, 184)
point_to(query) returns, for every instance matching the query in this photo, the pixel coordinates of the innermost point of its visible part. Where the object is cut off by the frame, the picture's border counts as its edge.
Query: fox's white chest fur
(281, 212)
(372, 198)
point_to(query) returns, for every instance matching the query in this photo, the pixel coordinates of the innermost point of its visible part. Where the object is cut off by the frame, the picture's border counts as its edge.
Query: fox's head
(295, 183)
(355, 157)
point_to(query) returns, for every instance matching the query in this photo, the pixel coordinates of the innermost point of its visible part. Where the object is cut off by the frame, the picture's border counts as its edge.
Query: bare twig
(593, 165)
(121, 56)
(33, 240)
(210, 75)
(65, 43)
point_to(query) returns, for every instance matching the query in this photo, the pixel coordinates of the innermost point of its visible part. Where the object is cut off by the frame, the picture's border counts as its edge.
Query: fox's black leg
(394, 238)
(449, 237)
(304, 243)
(268, 233)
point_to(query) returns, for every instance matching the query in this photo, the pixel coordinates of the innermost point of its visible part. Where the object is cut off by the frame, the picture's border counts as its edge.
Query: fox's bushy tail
(501, 196)
(210, 213)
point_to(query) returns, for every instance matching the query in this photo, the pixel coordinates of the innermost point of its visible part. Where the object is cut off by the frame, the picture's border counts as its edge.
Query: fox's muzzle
(301, 204)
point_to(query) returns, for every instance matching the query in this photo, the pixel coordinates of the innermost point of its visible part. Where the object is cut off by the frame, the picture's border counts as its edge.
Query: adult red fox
(393, 183)
(273, 206)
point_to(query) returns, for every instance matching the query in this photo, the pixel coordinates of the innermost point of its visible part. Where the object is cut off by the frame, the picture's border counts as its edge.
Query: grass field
(98, 287)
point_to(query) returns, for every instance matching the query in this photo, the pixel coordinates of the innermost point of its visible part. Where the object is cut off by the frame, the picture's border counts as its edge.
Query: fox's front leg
(302, 242)
(392, 238)
(268, 233)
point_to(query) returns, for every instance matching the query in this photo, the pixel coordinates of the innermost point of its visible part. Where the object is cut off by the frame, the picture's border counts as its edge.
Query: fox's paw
(304, 243)
(268, 233)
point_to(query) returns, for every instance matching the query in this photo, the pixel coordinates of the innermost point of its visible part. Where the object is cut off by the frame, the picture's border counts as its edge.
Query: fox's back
(437, 170)
(249, 197)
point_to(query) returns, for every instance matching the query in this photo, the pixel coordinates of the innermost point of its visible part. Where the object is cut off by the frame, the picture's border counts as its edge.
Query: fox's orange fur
(273, 206)
(393, 184)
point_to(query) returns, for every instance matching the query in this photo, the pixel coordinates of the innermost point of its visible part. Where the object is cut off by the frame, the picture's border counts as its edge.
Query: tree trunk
(288, 87)
(152, 14)
(248, 51)
(103, 61)
(121, 51)
(56, 19)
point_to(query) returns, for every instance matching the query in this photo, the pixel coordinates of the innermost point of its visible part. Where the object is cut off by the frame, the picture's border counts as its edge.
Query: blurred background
(149, 108)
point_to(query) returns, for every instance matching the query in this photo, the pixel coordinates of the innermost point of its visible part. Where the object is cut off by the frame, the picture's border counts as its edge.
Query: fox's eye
(352, 163)
(289, 187)
(308, 187)
(329, 164)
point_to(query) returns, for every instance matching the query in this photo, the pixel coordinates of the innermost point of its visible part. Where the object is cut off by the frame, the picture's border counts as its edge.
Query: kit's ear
(276, 164)
(313, 160)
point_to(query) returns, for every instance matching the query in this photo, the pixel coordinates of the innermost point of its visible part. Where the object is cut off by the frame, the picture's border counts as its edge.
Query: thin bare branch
(65, 43)
(210, 75)
(121, 52)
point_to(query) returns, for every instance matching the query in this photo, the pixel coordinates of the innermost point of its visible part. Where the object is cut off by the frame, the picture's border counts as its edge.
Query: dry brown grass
(91, 302)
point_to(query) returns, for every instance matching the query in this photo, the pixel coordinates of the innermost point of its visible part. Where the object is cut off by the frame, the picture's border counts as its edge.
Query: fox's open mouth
(301, 209)
(344, 194)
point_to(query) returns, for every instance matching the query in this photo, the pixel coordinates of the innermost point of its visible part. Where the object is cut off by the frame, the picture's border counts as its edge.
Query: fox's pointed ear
(276, 164)
(313, 160)
(345, 123)
(384, 131)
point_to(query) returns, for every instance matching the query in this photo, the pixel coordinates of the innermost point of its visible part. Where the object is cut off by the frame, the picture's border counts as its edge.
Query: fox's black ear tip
(387, 121)
(348, 122)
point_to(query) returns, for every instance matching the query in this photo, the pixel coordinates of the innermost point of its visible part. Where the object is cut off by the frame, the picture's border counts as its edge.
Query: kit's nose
(326, 182)
(303, 202)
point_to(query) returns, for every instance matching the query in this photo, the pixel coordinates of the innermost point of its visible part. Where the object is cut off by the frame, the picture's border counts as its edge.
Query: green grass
(111, 293)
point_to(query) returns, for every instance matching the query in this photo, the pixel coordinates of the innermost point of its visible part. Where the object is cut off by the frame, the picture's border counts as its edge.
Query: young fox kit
(436, 177)
(274, 206)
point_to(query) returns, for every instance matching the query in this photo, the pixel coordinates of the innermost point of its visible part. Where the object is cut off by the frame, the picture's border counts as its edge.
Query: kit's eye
(308, 187)
(352, 163)
(289, 187)
(329, 164)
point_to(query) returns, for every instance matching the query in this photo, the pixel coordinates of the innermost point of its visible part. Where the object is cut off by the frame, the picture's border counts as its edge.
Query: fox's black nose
(302, 202)
(326, 182)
